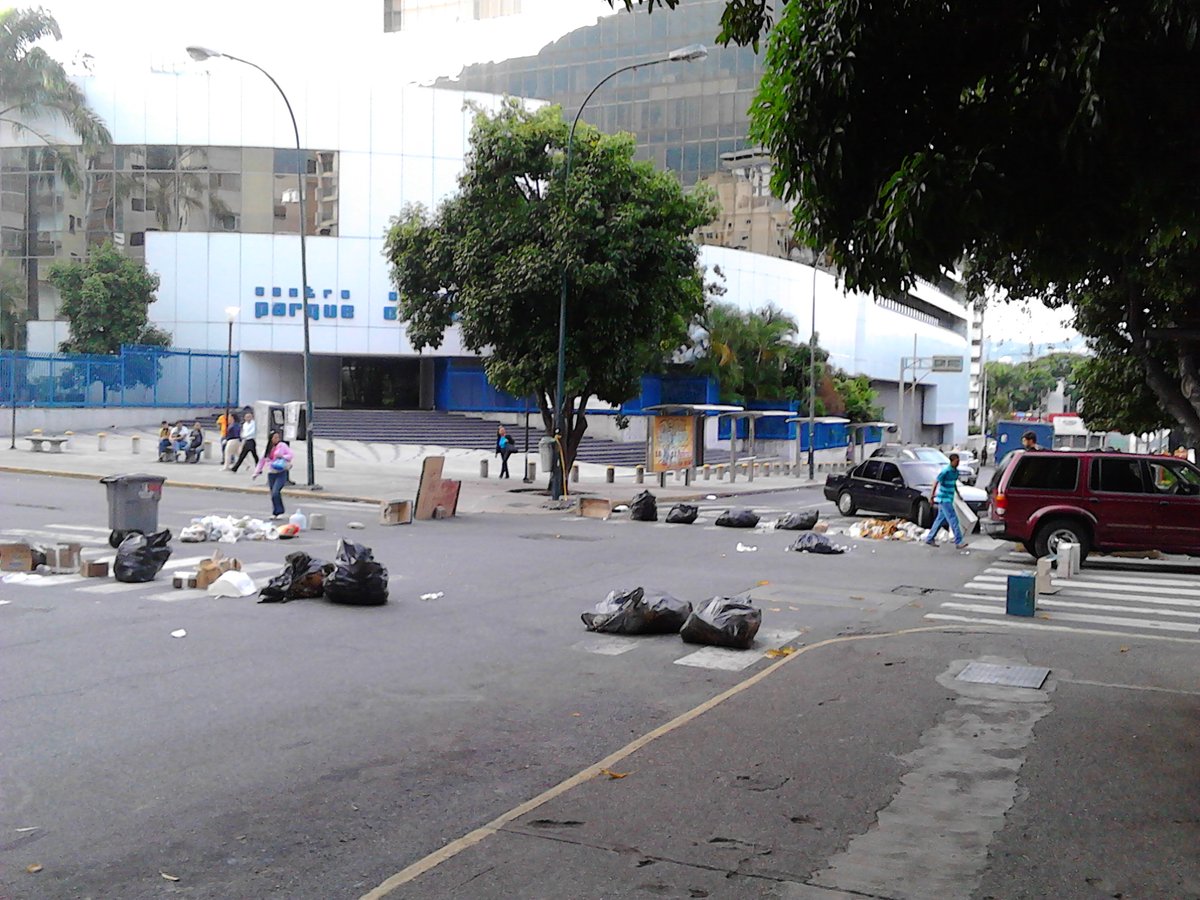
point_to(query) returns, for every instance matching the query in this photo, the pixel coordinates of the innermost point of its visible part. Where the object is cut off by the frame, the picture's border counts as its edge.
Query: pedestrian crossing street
(91, 538)
(1114, 600)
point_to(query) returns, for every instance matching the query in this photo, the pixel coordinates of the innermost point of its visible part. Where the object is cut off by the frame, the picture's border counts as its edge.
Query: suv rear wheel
(845, 504)
(1061, 531)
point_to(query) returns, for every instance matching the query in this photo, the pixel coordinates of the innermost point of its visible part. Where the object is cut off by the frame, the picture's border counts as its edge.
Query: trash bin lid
(133, 479)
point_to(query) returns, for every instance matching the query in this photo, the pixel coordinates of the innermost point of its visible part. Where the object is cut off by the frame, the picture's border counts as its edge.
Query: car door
(866, 484)
(892, 493)
(1124, 507)
(1176, 487)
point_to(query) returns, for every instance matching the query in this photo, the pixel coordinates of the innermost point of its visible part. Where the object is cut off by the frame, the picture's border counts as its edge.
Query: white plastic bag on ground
(233, 584)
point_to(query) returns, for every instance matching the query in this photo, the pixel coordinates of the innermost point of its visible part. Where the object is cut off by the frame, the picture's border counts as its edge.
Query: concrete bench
(55, 443)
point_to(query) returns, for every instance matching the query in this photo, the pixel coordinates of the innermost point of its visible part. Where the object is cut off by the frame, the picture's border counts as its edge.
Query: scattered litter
(33, 868)
(435, 596)
(29, 828)
(737, 518)
(228, 530)
(621, 507)
(179, 634)
(169, 877)
(886, 530)
(233, 584)
(357, 579)
(302, 576)
(683, 514)
(821, 527)
(744, 548)
(710, 496)
(19, 577)
(355, 525)
(811, 542)
(289, 531)
(140, 557)
(299, 520)
(613, 776)
(723, 622)
(780, 652)
(798, 521)
(644, 508)
(633, 612)
(1124, 650)
(761, 583)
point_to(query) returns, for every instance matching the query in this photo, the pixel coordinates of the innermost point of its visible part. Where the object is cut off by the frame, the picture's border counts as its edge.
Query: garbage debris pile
(644, 508)
(730, 622)
(799, 521)
(812, 542)
(886, 530)
(683, 514)
(141, 557)
(738, 518)
(27, 561)
(355, 578)
(231, 529)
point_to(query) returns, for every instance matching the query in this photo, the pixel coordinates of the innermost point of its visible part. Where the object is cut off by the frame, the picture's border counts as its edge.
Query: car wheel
(922, 514)
(1061, 531)
(845, 504)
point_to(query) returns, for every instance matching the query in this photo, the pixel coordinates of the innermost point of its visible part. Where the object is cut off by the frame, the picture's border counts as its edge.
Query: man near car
(1029, 441)
(942, 497)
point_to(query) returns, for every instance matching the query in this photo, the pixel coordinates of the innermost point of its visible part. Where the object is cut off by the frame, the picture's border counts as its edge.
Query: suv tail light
(999, 505)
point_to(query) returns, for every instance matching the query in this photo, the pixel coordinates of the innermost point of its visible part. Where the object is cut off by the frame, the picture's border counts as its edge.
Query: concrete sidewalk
(370, 473)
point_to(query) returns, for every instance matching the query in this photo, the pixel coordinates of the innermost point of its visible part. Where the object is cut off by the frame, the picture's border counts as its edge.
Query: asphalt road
(309, 750)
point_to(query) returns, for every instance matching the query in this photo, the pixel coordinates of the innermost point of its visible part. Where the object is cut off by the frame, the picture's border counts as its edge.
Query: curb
(230, 488)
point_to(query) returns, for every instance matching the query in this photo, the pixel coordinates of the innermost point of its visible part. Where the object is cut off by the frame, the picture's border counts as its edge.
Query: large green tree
(106, 299)
(1046, 147)
(491, 258)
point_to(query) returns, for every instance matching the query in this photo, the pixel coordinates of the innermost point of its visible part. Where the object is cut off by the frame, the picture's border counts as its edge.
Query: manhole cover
(1008, 676)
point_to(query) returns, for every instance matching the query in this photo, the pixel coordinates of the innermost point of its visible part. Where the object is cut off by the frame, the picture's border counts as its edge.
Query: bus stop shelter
(750, 416)
(857, 432)
(816, 420)
(675, 438)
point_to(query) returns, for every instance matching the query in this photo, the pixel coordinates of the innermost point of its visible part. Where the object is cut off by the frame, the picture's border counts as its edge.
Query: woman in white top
(249, 447)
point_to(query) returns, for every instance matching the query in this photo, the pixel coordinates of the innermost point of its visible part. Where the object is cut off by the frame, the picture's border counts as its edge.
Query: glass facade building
(685, 115)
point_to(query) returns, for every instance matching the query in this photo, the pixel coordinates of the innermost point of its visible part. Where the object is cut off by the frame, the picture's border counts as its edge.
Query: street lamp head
(690, 53)
(231, 312)
(199, 54)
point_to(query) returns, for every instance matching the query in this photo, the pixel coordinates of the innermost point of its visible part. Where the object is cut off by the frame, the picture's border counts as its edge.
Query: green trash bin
(132, 505)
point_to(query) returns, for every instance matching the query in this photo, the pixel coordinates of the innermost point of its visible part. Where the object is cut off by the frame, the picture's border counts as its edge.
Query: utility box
(1021, 597)
(268, 416)
(295, 421)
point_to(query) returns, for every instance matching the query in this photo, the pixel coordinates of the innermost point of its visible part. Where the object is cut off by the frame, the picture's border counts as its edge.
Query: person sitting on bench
(195, 442)
(164, 442)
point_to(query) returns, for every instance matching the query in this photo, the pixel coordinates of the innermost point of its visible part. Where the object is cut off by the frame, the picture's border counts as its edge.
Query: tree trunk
(1180, 398)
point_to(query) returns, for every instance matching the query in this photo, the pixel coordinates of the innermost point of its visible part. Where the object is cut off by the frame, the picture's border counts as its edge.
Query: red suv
(1101, 501)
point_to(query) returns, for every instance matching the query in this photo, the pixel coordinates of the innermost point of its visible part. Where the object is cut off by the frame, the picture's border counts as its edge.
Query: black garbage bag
(683, 514)
(357, 579)
(302, 576)
(738, 518)
(815, 543)
(636, 612)
(140, 557)
(723, 622)
(644, 508)
(798, 521)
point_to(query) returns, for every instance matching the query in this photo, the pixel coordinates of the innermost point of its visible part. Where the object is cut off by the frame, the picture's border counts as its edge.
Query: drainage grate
(1008, 676)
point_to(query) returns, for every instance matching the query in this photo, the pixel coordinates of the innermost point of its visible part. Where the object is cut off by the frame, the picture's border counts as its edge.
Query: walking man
(942, 497)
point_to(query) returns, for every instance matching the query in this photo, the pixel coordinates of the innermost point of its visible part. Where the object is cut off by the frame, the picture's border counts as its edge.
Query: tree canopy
(491, 257)
(105, 299)
(742, 22)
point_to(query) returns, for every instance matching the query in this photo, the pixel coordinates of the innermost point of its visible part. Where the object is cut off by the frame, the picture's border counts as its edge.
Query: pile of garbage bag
(636, 612)
(302, 576)
(797, 521)
(683, 514)
(812, 542)
(738, 518)
(723, 622)
(644, 508)
(140, 557)
(886, 530)
(228, 530)
(357, 579)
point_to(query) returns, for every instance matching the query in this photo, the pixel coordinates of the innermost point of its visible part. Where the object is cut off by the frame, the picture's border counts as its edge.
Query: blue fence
(136, 377)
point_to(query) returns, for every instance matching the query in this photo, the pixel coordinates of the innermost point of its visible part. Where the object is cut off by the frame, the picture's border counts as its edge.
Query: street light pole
(231, 313)
(689, 53)
(202, 53)
(812, 377)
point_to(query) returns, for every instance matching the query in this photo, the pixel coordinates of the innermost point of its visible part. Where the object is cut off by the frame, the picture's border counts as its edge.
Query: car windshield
(921, 472)
(929, 454)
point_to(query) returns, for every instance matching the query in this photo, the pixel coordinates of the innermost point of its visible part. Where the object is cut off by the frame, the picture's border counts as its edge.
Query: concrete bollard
(707, 472)
(206, 451)
(687, 476)
(639, 475)
(720, 473)
(575, 473)
(329, 459)
(662, 479)
(1042, 580)
(531, 471)
(135, 444)
(1068, 560)
(483, 468)
(101, 440)
(610, 474)
(766, 470)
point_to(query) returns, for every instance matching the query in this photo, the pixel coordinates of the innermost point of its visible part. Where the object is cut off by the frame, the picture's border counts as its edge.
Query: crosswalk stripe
(1046, 626)
(1108, 584)
(736, 660)
(1154, 578)
(1066, 590)
(37, 535)
(1054, 600)
(1081, 617)
(89, 529)
(118, 587)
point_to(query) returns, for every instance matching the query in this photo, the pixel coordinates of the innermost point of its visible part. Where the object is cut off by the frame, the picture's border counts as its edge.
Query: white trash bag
(233, 584)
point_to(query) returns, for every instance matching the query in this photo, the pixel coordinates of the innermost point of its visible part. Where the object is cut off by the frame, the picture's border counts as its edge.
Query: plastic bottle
(299, 520)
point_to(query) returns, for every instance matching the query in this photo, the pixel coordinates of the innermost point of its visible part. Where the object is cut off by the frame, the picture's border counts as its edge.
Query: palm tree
(35, 88)
(12, 305)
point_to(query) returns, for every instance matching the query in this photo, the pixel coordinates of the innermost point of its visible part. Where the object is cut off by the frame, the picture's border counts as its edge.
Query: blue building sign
(328, 308)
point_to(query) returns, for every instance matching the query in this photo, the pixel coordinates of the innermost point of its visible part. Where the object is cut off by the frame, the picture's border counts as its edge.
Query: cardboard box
(16, 558)
(213, 568)
(93, 569)
(395, 512)
(182, 580)
(316, 521)
(63, 558)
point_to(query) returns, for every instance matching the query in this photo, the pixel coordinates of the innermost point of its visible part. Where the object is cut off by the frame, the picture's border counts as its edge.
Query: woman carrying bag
(277, 460)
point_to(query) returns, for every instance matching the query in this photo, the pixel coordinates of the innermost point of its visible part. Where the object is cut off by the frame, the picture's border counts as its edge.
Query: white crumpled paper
(233, 584)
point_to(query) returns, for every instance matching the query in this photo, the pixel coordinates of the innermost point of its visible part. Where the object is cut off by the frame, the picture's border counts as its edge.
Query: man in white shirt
(249, 447)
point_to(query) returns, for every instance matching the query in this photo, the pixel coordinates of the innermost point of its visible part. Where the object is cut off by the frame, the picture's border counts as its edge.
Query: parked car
(894, 487)
(968, 470)
(1100, 501)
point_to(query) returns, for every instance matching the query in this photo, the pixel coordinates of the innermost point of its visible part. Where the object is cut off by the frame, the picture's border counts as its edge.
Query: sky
(302, 39)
